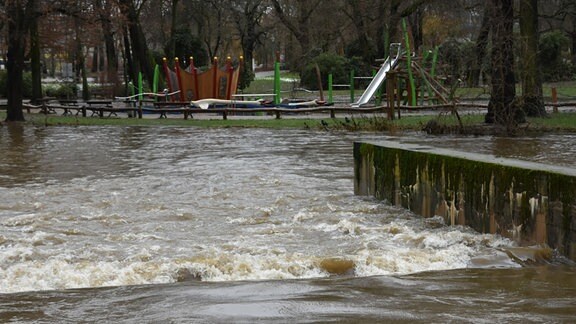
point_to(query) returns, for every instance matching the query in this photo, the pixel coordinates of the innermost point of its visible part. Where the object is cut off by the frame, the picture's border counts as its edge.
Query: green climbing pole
(352, 90)
(156, 78)
(434, 61)
(330, 92)
(412, 94)
(277, 83)
(140, 86)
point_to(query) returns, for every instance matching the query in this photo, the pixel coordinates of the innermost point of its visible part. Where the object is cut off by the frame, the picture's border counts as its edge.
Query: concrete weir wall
(530, 202)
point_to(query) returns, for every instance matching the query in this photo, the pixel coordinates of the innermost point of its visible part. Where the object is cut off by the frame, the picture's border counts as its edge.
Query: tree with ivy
(20, 16)
(503, 109)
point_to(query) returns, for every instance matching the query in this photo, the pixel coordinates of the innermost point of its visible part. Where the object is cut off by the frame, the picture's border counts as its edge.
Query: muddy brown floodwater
(180, 225)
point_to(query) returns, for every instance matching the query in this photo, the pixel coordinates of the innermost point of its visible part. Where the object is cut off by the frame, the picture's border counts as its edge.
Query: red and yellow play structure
(214, 83)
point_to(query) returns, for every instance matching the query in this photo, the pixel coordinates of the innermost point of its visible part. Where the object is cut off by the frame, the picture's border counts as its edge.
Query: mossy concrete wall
(530, 202)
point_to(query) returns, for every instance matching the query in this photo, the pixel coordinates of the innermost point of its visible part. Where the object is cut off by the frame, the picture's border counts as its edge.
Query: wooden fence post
(555, 99)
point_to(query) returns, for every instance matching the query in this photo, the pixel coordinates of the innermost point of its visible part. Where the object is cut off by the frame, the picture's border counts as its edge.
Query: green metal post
(277, 83)
(140, 86)
(412, 93)
(156, 79)
(425, 58)
(434, 61)
(330, 93)
(155, 83)
(352, 91)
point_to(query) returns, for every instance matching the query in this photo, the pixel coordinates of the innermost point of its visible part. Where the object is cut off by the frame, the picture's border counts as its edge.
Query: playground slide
(379, 77)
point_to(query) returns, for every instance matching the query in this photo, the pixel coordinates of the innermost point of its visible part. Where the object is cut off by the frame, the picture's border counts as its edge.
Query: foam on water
(394, 248)
(164, 205)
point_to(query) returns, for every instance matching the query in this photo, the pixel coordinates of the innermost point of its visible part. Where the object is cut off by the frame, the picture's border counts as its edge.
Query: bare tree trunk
(172, 45)
(392, 12)
(299, 26)
(35, 62)
(137, 41)
(95, 54)
(248, 23)
(129, 68)
(111, 56)
(358, 18)
(573, 40)
(481, 45)
(382, 35)
(80, 61)
(532, 99)
(416, 20)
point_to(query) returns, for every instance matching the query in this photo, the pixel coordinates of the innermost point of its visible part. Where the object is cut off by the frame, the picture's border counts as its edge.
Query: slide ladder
(380, 76)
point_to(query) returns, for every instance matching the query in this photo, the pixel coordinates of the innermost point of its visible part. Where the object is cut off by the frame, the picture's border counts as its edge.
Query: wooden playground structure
(192, 85)
(406, 79)
(403, 81)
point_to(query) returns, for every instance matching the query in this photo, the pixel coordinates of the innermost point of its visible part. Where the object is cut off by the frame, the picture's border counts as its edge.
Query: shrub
(361, 69)
(26, 84)
(188, 45)
(553, 66)
(66, 91)
(328, 63)
(457, 59)
(51, 90)
(3, 76)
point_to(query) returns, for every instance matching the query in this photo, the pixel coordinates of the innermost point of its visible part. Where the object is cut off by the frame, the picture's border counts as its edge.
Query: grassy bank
(557, 121)
(56, 120)
(370, 122)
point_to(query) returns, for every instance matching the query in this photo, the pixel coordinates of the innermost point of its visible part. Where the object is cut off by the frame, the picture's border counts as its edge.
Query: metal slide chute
(380, 76)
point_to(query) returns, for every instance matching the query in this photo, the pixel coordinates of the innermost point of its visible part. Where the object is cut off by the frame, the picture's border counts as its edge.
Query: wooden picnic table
(97, 107)
(46, 109)
(68, 105)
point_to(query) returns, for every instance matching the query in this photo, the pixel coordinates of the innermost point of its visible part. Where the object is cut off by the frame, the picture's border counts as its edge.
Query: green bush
(329, 63)
(456, 58)
(51, 90)
(188, 45)
(554, 66)
(3, 77)
(26, 84)
(361, 69)
(62, 90)
(365, 50)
